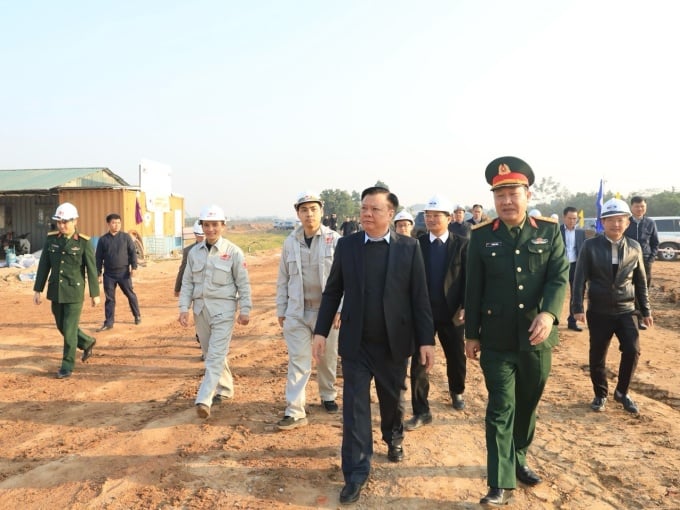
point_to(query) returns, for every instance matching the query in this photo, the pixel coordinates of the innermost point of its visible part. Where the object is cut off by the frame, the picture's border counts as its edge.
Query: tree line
(548, 196)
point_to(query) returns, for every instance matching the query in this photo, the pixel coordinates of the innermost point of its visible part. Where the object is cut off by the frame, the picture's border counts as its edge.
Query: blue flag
(598, 206)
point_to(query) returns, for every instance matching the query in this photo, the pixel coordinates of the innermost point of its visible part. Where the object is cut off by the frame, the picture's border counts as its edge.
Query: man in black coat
(573, 242)
(385, 319)
(444, 255)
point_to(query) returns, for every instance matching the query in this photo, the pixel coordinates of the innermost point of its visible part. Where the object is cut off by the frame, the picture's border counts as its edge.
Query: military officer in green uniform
(517, 277)
(65, 258)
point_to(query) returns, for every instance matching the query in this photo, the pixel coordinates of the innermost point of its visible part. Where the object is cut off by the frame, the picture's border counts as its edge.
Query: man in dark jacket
(573, 242)
(199, 236)
(444, 255)
(117, 255)
(642, 228)
(385, 319)
(612, 266)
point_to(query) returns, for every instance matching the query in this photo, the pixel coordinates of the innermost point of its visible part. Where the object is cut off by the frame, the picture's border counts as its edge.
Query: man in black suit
(444, 255)
(385, 317)
(573, 242)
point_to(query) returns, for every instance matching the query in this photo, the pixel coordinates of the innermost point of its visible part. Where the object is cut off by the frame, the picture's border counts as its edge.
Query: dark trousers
(572, 269)
(373, 361)
(124, 281)
(453, 345)
(67, 318)
(648, 271)
(602, 327)
(515, 381)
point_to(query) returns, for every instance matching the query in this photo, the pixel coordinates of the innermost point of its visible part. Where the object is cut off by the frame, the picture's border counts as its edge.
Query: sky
(252, 102)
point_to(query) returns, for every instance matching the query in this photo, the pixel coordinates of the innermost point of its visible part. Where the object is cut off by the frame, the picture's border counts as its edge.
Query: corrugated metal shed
(28, 198)
(50, 178)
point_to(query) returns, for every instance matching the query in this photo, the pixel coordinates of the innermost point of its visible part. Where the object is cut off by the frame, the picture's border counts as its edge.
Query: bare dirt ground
(122, 432)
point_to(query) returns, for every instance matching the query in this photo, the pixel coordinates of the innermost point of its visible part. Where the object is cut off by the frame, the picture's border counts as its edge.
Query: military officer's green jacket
(65, 261)
(509, 283)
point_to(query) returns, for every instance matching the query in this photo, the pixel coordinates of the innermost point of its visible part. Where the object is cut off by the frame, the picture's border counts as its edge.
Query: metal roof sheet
(50, 178)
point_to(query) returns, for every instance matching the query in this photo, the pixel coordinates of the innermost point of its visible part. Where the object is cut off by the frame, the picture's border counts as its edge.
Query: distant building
(29, 198)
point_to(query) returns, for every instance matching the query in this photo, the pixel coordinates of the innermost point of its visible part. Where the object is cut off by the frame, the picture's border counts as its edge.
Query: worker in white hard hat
(304, 266)
(403, 223)
(611, 268)
(216, 284)
(70, 254)
(444, 255)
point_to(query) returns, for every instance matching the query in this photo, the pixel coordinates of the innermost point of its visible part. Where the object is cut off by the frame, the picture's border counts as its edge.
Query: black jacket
(608, 294)
(406, 303)
(454, 278)
(645, 233)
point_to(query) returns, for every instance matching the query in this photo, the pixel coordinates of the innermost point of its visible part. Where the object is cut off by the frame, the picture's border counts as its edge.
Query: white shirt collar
(444, 237)
(386, 238)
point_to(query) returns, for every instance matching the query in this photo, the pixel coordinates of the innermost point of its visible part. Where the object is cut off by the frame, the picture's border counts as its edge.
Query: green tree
(339, 202)
(666, 203)
(547, 190)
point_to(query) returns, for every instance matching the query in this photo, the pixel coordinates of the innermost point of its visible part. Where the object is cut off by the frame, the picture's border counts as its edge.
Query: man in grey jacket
(216, 285)
(305, 263)
(613, 267)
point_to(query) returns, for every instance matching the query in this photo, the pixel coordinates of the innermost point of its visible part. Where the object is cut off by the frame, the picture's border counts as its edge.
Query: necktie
(515, 231)
(438, 242)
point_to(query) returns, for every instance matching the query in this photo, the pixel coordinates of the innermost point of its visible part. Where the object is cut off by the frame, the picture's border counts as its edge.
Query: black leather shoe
(395, 453)
(350, 493)
(496, 497)
(87, 353)
(105, 327)
(330, 406)
(527, 476)
(574, 327)
(458, 401)
(598, 403)
(63, 374)
(627, 402)
(418, 421)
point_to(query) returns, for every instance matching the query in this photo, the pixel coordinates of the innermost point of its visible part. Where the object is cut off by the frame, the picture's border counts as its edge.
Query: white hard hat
(307, 196)
(615, 207)
(212, 213)
(198, 229)
(554, 216)
(535, 213)
(438, 203)
(66, 211)
(403, 215)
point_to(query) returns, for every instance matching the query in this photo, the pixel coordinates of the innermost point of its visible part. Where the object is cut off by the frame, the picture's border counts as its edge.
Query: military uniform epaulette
(53, 233)
(546, 218)
(482, 224)
(84, 236)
